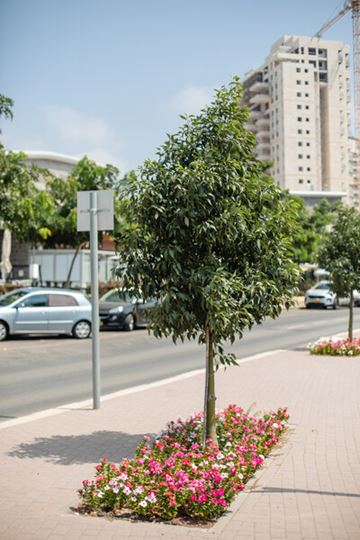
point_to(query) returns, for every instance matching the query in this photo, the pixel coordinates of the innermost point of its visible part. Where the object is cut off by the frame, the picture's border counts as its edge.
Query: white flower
(116, 489)
(138, 489)
(151, 498)
(133, 499)
(127, 490)
(224, 475)
(123, 476)
(241, 476)
(99, 494)
(143, 504)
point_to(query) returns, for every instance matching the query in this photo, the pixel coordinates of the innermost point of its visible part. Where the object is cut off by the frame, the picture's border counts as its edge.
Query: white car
(322, 295)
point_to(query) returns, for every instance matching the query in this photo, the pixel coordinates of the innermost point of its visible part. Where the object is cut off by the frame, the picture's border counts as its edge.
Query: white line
(88, 403)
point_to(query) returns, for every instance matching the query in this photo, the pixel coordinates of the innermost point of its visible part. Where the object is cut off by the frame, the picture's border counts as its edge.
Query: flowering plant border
(336, 347)
(171, 476)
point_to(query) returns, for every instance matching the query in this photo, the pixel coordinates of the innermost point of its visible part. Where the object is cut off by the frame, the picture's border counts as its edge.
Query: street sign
(104, 210)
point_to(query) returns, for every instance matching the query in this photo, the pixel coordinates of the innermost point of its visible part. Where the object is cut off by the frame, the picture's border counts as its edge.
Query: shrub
(171, 476)
(336, 347)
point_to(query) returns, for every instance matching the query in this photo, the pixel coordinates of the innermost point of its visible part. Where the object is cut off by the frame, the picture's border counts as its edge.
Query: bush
(336, 347)
(172, 476)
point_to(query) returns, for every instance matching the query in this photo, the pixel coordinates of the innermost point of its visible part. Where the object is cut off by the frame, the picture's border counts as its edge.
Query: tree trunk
(67, 282)
(209, 431)
(351, 314)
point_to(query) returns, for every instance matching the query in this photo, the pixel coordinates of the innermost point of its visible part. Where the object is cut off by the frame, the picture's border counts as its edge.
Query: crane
(354, 7)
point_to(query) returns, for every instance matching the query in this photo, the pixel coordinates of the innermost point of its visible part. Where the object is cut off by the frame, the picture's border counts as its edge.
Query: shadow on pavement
(311, 491)
(77, 449)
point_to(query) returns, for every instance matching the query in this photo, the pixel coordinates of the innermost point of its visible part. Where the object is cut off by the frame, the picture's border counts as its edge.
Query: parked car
(321, 295)
(33, 310)
(118, 309)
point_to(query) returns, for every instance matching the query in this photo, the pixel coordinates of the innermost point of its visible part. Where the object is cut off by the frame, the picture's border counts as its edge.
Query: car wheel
(82, 330)
(129, 323)
(4, 331)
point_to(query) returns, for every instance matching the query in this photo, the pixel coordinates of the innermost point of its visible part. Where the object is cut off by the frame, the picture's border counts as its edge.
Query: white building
(299, 102)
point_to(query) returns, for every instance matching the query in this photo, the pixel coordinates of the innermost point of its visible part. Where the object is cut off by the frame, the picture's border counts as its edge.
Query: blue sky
(109, 78)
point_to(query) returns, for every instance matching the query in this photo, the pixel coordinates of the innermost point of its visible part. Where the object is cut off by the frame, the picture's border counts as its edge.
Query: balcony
(259, 99)
(263, 136)
(263, 123)
(259, 87)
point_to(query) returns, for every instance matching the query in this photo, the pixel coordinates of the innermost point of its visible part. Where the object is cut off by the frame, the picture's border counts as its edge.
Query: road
(41, 373)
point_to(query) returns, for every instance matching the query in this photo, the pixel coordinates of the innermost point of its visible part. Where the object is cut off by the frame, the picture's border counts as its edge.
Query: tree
(208, 235)
(340, 255)
(313, 224)
(6, 106)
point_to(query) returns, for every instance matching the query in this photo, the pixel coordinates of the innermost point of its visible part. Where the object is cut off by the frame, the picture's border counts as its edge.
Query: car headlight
(118, 309)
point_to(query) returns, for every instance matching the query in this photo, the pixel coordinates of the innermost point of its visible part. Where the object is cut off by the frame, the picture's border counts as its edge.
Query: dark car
(118, 309)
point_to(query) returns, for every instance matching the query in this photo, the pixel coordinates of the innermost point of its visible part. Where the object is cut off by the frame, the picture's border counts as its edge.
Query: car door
(32, 314)
(62, 312)
(141, 311)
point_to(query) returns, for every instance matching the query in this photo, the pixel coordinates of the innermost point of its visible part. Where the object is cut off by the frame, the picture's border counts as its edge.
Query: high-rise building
(299, 102)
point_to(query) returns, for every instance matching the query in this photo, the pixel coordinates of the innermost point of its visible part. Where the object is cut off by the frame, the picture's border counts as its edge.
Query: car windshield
(116, 296)
(323, 286)
(11, 297)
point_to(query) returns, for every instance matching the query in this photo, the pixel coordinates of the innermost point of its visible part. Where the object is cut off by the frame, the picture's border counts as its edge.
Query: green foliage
(22, 204)
(208, 233)
(313, 224)
(62, 220)
(6, 106)
(340, 255)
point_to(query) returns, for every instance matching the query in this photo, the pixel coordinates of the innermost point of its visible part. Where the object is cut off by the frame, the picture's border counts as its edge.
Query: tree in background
(208, 234)
(340, 255)
(62, 220)
(313, 225)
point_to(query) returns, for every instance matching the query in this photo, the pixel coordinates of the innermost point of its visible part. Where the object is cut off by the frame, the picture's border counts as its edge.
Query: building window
(300, 169)
(307, 144)
(312, 51)
(306, 83)
(301, 181)
(307, 119)
(299, 143)
(308, 157)
(308, 169)
(323, 77)
(306, 95)
(298, 94)
(307, 107)
(298, 106)
(309, 181)
(299, 131)
(306, 70)
(299, 119)
(300, 156)
(298, 82)
(313, 63)
(298, 70)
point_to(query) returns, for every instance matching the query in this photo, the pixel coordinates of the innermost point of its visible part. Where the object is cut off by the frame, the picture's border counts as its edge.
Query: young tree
(340, 255)
(208, 234)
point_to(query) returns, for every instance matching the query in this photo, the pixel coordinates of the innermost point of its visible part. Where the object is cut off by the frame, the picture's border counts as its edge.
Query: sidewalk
(308, 489)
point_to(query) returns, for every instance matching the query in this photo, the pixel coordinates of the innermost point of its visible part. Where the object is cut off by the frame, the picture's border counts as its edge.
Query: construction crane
(354, 7)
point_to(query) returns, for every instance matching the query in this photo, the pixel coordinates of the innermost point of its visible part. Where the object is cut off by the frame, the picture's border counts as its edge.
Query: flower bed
(336, 347)
(172, 476)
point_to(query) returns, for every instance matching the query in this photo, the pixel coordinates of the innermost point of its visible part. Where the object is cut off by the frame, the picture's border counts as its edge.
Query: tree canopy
(209, 234)
(340, 255)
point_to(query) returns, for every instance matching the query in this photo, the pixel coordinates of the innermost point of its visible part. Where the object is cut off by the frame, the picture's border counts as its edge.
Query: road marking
(133, 390)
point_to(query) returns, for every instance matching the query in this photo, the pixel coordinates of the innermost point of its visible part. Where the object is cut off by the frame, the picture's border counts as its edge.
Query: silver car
(45, 311)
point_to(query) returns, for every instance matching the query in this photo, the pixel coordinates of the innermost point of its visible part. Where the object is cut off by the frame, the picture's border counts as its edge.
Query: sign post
(95, 211)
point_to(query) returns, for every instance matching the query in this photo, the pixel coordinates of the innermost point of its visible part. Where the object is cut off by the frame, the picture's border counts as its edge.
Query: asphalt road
(41, 373)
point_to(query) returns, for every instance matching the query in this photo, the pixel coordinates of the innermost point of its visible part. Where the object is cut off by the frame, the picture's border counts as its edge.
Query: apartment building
(299, 102)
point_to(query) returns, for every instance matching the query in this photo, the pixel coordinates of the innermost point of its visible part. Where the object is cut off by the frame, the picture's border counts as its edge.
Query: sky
(109, 78)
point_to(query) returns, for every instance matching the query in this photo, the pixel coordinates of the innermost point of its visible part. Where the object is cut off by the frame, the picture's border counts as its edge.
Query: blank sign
(104, 206)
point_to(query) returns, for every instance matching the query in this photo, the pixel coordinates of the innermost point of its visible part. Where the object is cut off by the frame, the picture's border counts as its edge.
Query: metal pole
(94, 300)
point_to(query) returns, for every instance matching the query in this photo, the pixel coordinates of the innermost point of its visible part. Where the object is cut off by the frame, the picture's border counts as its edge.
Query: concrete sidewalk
(308, 489)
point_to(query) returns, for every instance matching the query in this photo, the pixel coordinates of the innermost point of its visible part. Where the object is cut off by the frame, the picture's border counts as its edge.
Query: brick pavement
(308, 489)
